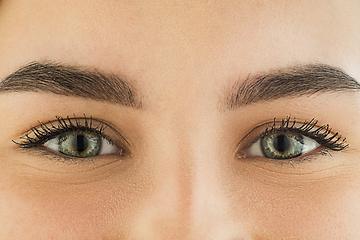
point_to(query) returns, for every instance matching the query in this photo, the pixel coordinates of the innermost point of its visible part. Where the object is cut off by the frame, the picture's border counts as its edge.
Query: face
(179, 120)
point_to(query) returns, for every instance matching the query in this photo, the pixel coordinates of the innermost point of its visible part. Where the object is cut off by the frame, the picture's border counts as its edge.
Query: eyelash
(45, 132)
(50, 130)
(322, 134)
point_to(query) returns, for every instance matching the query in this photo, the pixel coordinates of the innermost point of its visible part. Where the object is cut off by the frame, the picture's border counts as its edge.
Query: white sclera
(106, 146)
(255, 149)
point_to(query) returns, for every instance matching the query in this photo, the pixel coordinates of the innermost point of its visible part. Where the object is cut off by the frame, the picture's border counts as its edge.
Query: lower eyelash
(45, 132)
(322, 134)
(301, 159)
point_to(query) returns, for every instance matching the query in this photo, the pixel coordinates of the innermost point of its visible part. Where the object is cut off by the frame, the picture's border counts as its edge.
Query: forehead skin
(181, 56)
(236, 37)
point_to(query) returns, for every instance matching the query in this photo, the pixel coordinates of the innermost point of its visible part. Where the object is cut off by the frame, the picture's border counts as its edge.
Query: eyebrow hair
(303, 80)
(70, 81)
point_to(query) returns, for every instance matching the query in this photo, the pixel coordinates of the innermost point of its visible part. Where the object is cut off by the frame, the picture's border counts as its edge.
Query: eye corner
(240, 154)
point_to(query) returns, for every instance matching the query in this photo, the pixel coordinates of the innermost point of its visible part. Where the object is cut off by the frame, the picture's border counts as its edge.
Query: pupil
(81, 143)
(281, 143)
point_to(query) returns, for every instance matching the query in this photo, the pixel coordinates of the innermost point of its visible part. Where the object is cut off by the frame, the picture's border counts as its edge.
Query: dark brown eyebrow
(304, 80)
(71, 81)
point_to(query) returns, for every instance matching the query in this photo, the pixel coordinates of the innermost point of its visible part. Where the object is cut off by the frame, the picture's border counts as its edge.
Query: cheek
(304, 213)
(57, 211)
(321, 209)
(100, 210)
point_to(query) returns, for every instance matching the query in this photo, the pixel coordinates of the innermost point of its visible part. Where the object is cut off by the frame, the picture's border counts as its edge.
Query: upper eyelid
(289, 127)
(262, 125)
(87, 123)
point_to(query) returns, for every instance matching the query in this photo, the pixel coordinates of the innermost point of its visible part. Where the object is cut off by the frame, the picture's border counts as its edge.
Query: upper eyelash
(45, 132)
(322, 134)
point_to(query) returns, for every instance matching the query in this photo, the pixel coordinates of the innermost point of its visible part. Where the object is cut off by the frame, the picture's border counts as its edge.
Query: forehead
(184, 39)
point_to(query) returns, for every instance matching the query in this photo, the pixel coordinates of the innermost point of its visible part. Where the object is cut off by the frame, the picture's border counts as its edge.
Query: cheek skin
(102, 209)
(306, 209)
(76, 212)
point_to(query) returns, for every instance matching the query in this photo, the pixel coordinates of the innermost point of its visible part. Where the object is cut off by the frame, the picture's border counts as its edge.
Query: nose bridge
(179, 186)
(171, 210)
(187, 200)
(168, 213)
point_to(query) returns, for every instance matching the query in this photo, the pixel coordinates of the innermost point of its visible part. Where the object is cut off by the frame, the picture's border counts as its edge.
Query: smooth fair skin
(183, 179)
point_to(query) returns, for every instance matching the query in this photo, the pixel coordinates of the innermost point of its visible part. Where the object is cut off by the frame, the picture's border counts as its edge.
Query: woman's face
(205, 146)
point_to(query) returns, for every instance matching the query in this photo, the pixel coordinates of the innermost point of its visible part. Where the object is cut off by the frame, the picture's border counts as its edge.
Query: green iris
(282, 145)
(79, 144)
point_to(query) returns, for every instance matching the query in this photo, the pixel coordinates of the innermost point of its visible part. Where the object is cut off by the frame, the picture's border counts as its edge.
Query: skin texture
(182, 180)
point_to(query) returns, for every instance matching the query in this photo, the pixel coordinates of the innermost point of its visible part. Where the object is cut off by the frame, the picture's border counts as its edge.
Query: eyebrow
(71, 81)
(303, 80)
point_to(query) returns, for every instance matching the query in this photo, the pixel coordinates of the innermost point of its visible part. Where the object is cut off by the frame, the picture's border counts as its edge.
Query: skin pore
(183, 175)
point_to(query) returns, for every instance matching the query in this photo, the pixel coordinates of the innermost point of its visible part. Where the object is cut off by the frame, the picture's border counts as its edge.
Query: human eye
(288, 140)
(72, 138)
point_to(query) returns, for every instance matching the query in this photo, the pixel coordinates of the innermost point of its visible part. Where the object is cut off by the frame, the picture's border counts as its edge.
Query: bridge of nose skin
(187, 201)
